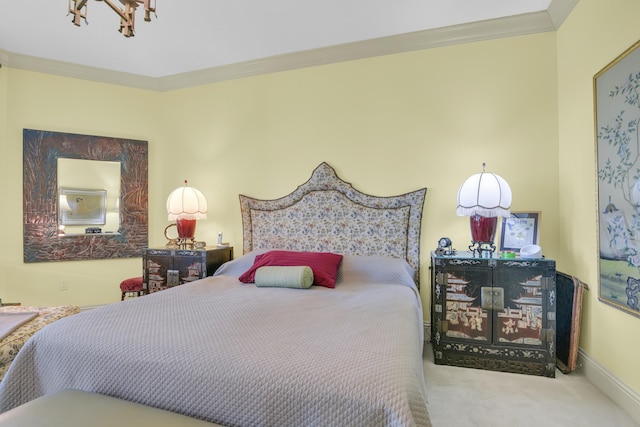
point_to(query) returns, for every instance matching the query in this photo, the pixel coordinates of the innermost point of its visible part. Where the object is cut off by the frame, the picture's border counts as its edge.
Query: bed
(240, 354)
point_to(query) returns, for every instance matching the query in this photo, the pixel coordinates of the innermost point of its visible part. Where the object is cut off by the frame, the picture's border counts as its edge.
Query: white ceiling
(196, 41)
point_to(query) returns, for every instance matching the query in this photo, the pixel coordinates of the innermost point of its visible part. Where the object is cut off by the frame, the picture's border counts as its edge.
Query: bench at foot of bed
(74, 408)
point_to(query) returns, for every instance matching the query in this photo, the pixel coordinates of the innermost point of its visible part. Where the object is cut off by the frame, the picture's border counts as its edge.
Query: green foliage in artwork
(623, 172)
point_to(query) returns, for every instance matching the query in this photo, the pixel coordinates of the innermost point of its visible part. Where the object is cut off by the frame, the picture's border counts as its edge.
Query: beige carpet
(462, 397)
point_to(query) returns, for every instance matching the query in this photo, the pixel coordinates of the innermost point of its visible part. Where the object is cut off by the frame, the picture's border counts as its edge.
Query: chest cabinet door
(189, 265)
(157, 264)
(523, 318)
(465, 316)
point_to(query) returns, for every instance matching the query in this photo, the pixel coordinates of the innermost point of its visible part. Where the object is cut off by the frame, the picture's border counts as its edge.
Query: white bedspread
(240, 355)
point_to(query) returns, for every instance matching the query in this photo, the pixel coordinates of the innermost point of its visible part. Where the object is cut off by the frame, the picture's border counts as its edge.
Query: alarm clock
(444, 246)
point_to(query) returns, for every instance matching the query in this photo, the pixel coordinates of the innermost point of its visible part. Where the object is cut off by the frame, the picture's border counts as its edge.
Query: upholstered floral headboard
(326, 214)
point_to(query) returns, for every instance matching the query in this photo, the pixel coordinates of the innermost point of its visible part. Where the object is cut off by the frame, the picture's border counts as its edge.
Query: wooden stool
(132, 286)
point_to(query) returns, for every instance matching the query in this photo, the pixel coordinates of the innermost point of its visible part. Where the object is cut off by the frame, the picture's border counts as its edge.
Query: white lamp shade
(186, 203)
(485, 194)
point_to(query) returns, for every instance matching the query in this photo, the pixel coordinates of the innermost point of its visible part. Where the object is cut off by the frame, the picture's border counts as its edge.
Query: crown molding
(559, 10)
(67, 69)
(529, 23)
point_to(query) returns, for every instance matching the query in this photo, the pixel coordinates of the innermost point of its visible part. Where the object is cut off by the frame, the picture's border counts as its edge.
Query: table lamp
(484, 197)
(186, 205)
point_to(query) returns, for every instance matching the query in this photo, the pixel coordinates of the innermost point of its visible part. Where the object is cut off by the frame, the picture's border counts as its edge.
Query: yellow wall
(388, 125)
(4, 175)
(595, 33)
(40, 101)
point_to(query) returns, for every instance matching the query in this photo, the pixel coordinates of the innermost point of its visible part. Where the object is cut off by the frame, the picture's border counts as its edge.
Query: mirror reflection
(89, 196)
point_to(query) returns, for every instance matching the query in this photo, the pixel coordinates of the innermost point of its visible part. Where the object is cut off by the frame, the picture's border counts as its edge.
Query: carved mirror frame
(41, 150)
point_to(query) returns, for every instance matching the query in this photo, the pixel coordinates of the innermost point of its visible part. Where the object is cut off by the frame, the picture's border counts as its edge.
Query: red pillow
(324, 265)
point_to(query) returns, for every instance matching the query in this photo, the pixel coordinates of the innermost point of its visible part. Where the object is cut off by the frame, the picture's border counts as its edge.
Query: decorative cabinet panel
(491, 313)
(165, 268)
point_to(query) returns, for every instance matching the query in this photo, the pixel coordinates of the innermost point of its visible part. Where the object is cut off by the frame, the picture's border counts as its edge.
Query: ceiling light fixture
(127, 15)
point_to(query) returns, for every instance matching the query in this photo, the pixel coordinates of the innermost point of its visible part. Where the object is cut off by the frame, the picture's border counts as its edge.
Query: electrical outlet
(64, 285)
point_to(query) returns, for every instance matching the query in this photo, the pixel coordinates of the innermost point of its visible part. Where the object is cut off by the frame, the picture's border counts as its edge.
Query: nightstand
(493, 313)
(166, 268)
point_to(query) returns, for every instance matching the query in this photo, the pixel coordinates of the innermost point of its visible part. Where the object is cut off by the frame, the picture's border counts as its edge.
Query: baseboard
(625, 397)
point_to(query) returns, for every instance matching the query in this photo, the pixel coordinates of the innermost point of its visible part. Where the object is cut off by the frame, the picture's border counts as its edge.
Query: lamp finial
(484, 167)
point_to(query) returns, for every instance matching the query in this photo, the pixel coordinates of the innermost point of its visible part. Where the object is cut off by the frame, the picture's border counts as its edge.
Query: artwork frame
(83, 207)
(616, 91)
(519, 230)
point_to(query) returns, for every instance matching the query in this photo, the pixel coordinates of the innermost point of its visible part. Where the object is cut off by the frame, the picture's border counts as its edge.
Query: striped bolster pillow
(284, 277)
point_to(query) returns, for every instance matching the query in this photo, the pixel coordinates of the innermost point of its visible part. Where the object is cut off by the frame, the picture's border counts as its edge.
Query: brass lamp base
(482, 249)
(182, 243)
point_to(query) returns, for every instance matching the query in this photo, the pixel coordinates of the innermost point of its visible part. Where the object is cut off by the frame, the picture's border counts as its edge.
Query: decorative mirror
(85, 197)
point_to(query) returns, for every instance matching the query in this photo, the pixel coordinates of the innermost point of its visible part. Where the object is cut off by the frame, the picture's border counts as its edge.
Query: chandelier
(127, 15)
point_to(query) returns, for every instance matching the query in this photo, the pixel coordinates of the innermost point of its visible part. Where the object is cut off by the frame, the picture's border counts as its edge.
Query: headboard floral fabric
(326, 214)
